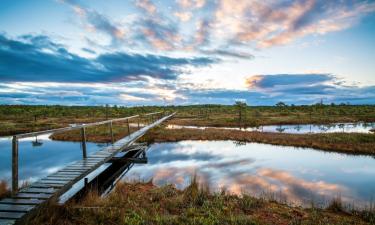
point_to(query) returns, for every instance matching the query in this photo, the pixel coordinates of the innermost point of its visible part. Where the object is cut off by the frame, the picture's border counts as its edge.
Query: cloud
(146, 5)
(271, 81)
(250, 24)
(229, 53)
(37, 58)
(95, 21)
(183, 16)
(269, 23)
(187, 4)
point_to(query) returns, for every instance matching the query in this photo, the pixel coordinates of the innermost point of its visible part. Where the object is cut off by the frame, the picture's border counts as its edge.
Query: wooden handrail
(59, 130)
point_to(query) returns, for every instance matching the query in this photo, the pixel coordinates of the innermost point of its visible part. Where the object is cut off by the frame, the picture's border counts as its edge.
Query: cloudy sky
(154, 52)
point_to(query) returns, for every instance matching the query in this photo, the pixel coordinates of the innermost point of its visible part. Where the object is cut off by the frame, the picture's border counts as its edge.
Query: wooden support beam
(129, 160)
(83, 134)
(127, 123)
(14, 165)
(111, 132)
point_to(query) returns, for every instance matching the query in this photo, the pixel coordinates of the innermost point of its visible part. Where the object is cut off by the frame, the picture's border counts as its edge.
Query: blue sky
(148, 52)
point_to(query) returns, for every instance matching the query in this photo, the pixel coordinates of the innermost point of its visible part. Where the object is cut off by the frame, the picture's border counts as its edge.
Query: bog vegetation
(21, 118)
(144, 203)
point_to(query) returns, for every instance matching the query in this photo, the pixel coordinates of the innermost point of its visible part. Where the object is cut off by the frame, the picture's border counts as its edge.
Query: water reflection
(298, 129)
(39, 157)
(298, 175)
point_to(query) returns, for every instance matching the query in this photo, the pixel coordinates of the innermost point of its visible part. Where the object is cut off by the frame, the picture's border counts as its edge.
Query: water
(38, 159)
(298, 129)
(296, 175)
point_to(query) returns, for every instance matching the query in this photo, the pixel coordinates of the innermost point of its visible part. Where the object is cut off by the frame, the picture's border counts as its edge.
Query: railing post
(14, 165)
(127, 123)
(83, 134)
(111, 132)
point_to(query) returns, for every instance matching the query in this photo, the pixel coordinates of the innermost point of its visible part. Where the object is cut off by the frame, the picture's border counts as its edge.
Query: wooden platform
(15, 209)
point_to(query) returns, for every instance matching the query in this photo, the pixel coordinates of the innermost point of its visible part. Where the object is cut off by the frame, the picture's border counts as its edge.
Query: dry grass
(353, 143)
(4, 190)
(144, 203)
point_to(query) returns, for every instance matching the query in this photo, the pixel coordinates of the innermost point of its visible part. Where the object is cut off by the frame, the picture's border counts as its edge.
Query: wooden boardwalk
(27, 200)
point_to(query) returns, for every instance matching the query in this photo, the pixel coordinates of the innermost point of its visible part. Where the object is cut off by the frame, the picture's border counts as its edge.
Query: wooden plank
(72, 176)
(39, 185)
(54, 181)
(33, 196)
(7, 222)
(11, 215)
(130, 160)
(73, 170)
(15, 208)
(21, 201)
(79, 167)
(39, 190)
(85, 163)
(59, 178)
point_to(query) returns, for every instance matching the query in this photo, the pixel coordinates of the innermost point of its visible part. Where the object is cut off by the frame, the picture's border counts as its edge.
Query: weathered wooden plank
(39, 185)
(7, 221)
(73, 170)
(72, 176)
(15, 208)
(21, 201)
(85, 163)
(130, 160)
(54, 181)
(78, 167)
(33, 196)
(39, 190)
(59, 178)
(11, 215)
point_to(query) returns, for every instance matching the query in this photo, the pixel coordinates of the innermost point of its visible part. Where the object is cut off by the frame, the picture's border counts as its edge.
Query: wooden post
(138, 122)
(127, 123)
(111, 132)
(14, 165)
(86, 181)
(83, 134)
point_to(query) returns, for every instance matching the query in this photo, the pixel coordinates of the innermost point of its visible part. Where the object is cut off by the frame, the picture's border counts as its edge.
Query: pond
(295, 175)
(38, 158)
(360, 127)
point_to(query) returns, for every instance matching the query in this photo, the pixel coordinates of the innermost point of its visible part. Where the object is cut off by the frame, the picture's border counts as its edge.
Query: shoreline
(349, 143)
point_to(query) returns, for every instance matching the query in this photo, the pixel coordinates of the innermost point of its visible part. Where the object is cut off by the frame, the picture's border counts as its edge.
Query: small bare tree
(241, 106)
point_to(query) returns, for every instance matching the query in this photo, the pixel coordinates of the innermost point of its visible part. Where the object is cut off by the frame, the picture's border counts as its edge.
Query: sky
(154, 52)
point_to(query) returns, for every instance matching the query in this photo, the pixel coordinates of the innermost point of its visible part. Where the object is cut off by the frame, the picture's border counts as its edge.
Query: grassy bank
(353, 143)
(144, 203)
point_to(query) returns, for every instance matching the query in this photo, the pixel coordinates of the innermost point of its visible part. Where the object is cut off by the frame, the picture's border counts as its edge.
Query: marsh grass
(145, 203)
(4, 189)
(353, 143)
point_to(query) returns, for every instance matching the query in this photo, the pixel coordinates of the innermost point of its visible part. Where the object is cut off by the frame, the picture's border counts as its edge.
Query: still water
(299, 128)
(38, 158)
(295, 175)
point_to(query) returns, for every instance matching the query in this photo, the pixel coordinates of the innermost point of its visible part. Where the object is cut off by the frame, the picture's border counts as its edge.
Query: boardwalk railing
(150, 117)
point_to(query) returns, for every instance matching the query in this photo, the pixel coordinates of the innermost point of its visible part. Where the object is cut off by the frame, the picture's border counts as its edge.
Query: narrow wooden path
(16, 208)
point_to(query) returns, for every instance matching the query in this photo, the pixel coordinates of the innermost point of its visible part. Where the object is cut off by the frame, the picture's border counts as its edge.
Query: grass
(354, 143)
(144, 203)
(16, 119)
